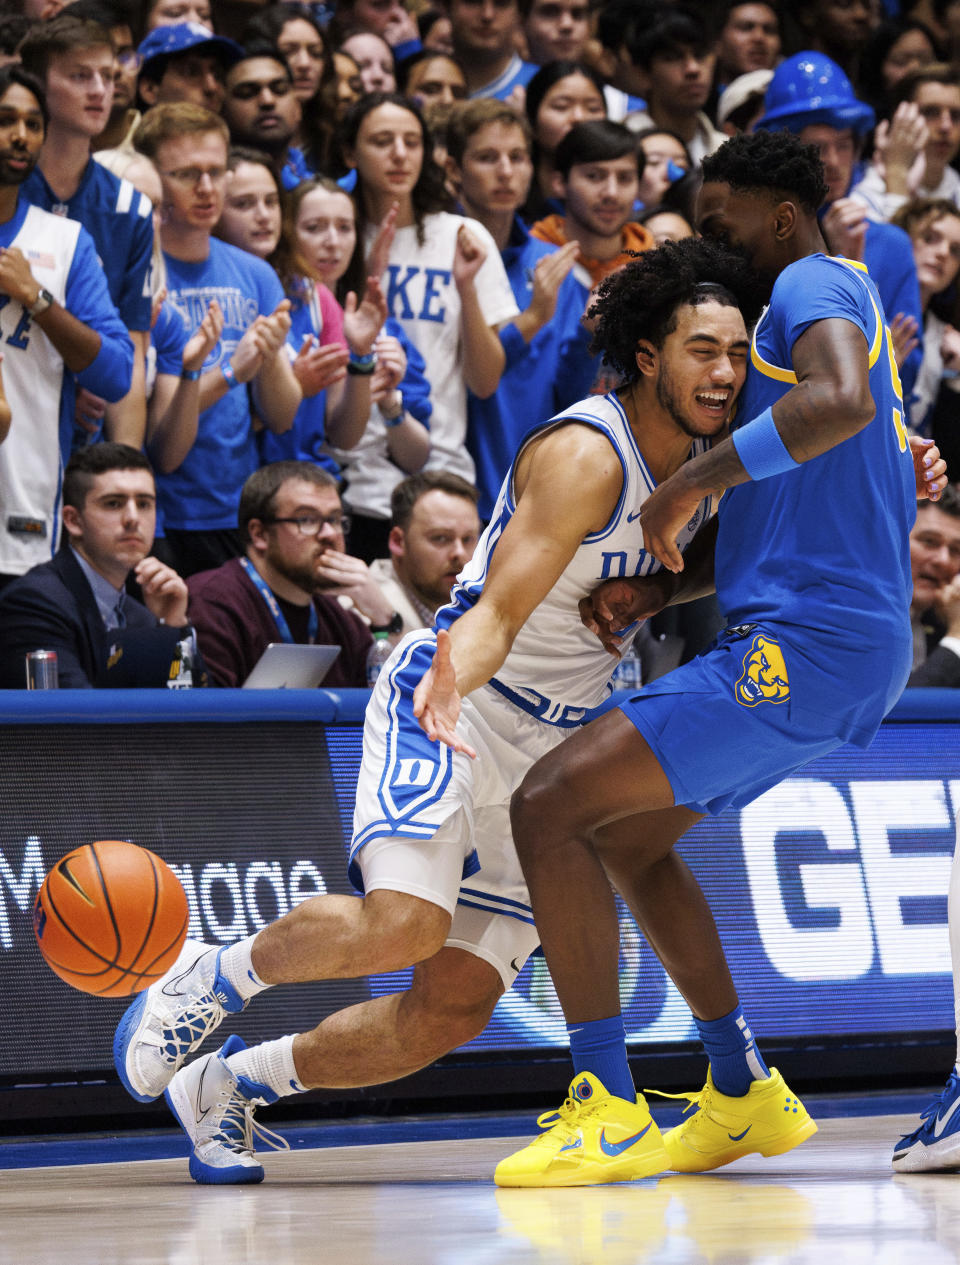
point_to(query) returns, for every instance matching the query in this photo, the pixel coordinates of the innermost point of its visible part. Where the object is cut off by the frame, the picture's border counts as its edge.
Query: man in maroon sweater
(284, 588)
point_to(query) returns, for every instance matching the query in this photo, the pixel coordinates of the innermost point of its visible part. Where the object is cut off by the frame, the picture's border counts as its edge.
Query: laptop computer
(291, 667)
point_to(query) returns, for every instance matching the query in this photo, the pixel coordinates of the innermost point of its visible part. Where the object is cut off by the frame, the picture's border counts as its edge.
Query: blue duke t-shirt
(204, 492)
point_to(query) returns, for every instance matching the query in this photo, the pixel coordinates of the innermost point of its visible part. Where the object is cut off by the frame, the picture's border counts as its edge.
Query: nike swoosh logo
(736, 1137)
(170, 989)
(941, 1122)
(63, 869)
(617, 1148)
(201, 1110)
(632, 518)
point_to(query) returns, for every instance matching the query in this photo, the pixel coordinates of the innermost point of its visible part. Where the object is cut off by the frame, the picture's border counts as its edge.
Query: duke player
(813, 572)
(431, 833)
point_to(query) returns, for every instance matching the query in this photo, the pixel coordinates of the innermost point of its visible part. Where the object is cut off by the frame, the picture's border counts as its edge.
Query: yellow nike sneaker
(769, 1119)
(593, 1138)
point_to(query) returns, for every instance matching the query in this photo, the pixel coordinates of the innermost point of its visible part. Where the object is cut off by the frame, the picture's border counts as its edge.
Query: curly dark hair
(773, 162)
(641, 300)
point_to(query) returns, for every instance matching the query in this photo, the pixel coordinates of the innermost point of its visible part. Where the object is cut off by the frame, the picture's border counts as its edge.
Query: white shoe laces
(192, 1027)
(237, 1126)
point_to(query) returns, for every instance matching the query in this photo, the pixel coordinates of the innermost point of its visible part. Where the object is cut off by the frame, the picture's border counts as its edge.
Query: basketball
(110, 918)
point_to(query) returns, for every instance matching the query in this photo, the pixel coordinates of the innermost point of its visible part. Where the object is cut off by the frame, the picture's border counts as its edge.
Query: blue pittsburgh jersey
(825, 547)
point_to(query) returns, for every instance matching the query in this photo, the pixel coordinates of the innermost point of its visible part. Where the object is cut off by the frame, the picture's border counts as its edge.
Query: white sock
(269, 1064)
(236, 964)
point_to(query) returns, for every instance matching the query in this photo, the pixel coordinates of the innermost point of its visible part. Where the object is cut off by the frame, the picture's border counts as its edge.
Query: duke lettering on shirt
(431, 305)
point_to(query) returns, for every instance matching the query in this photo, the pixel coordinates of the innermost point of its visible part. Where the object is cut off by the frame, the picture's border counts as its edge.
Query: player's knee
(451, 1000)
(407, 929)
(533, 807)
(467, 1023)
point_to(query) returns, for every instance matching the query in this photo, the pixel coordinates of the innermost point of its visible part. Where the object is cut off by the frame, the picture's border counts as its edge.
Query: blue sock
(600, 1047)
(735, 1061)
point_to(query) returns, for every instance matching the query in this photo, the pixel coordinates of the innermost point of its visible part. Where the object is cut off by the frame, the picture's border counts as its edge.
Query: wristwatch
(393, 627)
(40, 303)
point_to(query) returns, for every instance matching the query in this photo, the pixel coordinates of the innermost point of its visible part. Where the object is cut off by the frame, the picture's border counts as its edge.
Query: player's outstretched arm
(830, 403)
(566, 486)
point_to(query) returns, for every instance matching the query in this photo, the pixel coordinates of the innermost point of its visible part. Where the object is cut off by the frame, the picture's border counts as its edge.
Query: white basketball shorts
(436, 824)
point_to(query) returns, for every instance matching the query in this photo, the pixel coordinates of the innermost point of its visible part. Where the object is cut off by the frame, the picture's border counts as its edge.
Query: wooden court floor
(831, 1201)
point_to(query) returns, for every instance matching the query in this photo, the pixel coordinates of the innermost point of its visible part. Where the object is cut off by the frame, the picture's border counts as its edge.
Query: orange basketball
(110, 918)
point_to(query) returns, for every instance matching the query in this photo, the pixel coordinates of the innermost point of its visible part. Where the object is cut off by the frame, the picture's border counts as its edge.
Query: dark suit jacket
(941, 667)
(52, 607)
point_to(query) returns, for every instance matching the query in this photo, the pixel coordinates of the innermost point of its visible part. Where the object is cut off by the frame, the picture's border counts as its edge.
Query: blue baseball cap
(168, 41)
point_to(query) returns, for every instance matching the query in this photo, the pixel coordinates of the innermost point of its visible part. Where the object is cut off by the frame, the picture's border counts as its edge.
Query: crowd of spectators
(340, 255)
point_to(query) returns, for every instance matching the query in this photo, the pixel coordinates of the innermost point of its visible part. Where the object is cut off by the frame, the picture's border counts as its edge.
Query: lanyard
(283, 628)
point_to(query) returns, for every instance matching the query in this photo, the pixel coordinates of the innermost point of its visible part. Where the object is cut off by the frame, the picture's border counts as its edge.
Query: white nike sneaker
(934, 1144)
(170, 1019)
(215, 1110)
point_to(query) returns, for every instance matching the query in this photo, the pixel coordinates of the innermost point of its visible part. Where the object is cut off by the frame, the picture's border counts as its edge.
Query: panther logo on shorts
(764, 678)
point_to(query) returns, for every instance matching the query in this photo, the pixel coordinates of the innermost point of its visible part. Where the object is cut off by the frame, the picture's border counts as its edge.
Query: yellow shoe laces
(566, 1114)
(699, 1099)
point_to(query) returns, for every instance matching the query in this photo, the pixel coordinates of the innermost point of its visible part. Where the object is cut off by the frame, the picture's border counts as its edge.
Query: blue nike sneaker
(215, 1109)
(934, 1144)
(170, 1019)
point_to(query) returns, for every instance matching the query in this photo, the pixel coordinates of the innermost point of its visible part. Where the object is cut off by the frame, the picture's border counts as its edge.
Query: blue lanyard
(273, 606)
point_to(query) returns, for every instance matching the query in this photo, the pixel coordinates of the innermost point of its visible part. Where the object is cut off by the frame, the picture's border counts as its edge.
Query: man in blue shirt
(484, 41)
(247, 369)
(73, 60)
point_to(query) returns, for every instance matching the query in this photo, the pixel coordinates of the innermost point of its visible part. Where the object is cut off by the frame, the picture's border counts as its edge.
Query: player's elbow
(852, 405)
(861, 410)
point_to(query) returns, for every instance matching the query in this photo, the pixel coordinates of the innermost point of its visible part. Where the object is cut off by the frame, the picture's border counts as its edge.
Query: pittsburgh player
(425, 817)
(812, 568)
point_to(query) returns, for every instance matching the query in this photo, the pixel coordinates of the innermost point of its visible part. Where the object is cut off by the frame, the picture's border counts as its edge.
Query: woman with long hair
(320, 223)
(324, 338)
(445, 280)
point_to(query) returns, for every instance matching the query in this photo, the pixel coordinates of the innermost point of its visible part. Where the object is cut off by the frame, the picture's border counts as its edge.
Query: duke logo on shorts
(764, 678)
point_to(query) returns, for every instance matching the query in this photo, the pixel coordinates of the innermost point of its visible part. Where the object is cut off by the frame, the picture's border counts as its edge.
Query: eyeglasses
(193, 175)
(310, 524)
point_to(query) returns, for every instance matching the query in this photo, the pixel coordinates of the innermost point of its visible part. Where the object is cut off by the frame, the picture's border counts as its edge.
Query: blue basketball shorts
(729, 725)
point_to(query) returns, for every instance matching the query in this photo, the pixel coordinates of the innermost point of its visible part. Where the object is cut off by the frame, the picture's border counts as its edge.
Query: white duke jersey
(32, 379)
(557, 669)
